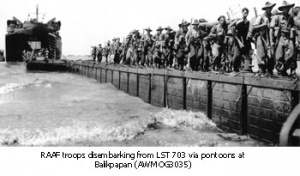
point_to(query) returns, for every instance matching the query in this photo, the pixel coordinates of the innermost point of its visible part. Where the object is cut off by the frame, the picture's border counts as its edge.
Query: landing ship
(32, 38)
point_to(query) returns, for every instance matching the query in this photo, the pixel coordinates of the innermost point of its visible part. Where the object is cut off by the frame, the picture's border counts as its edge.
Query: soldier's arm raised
(259, 24)
(233, 23)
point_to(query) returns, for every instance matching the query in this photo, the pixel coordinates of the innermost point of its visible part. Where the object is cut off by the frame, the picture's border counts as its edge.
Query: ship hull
(54, 65)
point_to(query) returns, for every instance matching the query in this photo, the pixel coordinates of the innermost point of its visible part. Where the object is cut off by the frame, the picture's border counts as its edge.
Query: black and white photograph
(134, 74)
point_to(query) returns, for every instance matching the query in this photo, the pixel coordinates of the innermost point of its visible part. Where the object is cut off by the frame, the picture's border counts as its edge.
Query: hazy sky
(90, 22)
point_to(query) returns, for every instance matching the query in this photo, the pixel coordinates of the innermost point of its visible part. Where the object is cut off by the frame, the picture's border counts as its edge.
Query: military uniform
(297, 35)
(285, 49)
(146, 44)
(46, 55)
(241, 45)
(217, 35)
(122, 55)
(94, 53)
(263, 39)
(135, 41)
(107, 51)
(117, 51)
(129, 55)
(169, 46)
(205, 30)
(194, 40)
(127, 45)
(104, 51)
(181, 46)
(99, 53)
(297, 27)
(111, 56)
(158, 48)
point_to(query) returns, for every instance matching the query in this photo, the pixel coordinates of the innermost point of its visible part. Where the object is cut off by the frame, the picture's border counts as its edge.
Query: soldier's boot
(175, 64)
(162, 63)
(188, 64)
(201, 67)
(181, 65)
(293, 73)
(229, 67)
(283, 73)
(261, 69)
(283, 70)
(269, 71)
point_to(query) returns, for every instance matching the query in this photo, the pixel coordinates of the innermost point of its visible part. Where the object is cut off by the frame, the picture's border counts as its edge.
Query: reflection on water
(63, 109)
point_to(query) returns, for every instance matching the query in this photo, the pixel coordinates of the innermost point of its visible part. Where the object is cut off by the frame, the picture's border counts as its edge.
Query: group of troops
(224, 45)
(33, 54)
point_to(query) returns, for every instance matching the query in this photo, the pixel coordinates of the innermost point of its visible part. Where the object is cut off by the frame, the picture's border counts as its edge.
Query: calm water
(64, 109)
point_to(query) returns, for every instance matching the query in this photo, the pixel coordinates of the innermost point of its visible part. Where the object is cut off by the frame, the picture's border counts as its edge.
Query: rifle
(231, 12)
(269, 48)
(189, 41)
(228, 15)
(239, 42)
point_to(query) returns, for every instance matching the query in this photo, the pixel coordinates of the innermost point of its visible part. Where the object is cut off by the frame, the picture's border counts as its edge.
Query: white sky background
(89, 22)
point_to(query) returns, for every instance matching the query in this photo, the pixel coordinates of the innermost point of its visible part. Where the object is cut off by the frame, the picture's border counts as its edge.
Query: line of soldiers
(224, 45)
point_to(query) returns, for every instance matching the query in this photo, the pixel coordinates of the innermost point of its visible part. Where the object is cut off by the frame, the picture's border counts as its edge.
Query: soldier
(275, 17)
(123, 51)
(241, 43)
(181, 45)
(104, 52)
(127, 48)
(262, 36)
(169, 46)
(297, 30)
(158, 47)
(33, 55)
(217, 34)
(135, 41)
(29, 55)
(205, 30)
(24, 55)
(46, 55)
(147, 43)
(94, 52)
(175, 63)
(117, 51)
(285, 49)
(194, 41)
(112, 51)
(129, 54)
(107, 51)
(99, 53)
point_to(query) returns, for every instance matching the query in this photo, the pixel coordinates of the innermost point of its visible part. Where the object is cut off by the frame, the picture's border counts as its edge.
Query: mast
(37, 12)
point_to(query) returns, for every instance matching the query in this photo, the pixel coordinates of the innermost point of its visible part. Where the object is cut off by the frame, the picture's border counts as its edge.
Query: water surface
(65, 109)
